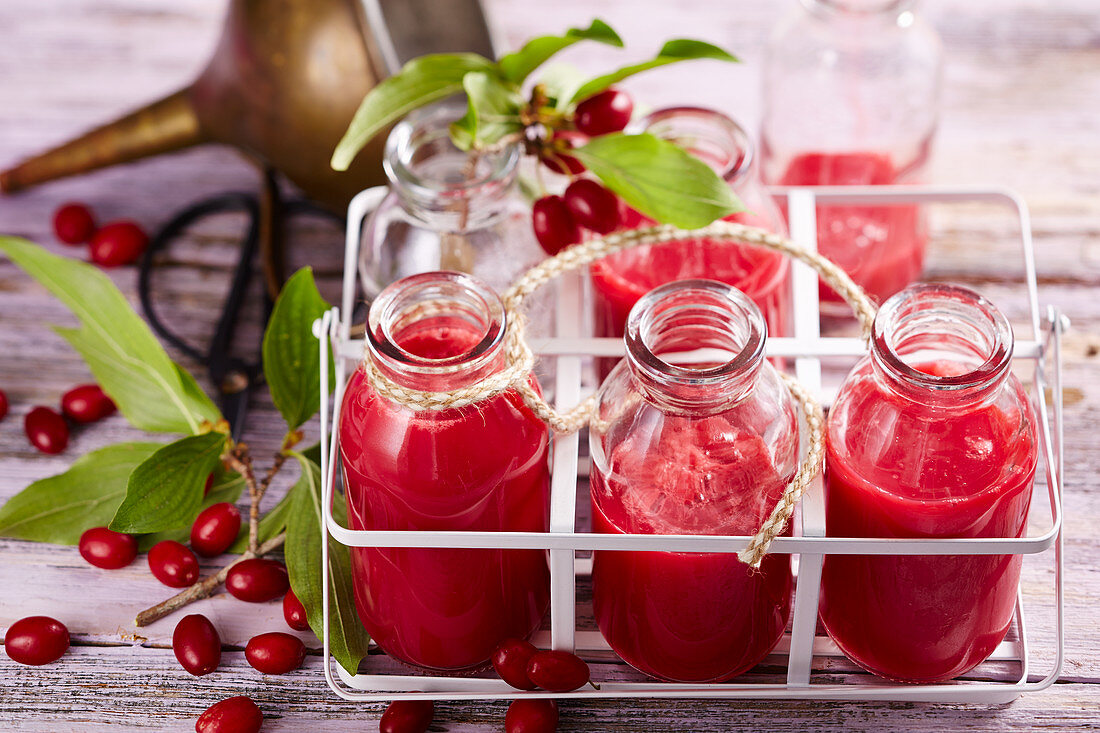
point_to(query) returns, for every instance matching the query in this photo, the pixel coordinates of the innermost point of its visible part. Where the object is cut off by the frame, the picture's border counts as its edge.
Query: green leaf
(165, 491)
(227, 487)
(680, 49)
(519, 65)
(560, 81)
(659, 179)
(347, 637)
(60, 508)
(292, 366)
(492, 111)
(271, 524)
(420, 82)
(126, 359)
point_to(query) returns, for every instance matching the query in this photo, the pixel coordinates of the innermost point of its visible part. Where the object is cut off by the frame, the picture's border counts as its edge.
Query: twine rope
(519, 360)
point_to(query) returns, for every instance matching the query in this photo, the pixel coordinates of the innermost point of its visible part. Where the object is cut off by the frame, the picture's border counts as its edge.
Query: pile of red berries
(115, 243)
(47, 429)
(558, 220)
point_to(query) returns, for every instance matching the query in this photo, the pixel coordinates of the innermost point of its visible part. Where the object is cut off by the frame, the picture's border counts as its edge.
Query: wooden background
(1021, 109)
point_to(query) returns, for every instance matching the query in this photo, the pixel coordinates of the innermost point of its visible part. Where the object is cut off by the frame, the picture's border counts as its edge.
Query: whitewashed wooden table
(1022, 109)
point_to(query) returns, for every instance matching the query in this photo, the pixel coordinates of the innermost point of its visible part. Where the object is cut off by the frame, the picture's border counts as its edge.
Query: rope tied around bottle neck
(519, 359)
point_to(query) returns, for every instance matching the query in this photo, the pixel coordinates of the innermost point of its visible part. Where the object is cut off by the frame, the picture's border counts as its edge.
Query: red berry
(554, 225)
(294, 612)
(407, 716)
(209, 484)
(107, 549)
(46, 430)
(86, 403)
(36, 640)
(232, 715)
(510, 660)
(118, 243)
(74, 223)
(531, 716)
(215, 529)
(603, 113)
(275, 652)
(592, 206)
(3, 404)
(196, 644)
(173, 564)
(553, 154)
(556, 671)
(257, 580)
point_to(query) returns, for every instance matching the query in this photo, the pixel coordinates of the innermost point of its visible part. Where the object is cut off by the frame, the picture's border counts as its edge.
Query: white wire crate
(810, 659)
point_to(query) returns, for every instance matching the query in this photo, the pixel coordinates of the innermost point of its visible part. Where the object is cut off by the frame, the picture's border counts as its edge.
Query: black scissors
(232, 376)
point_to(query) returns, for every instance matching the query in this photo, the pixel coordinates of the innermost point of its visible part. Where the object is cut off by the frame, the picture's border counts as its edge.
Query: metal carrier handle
(807, 347)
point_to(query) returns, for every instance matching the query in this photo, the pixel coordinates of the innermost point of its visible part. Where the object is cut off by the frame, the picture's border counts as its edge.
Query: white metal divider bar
(807, 326)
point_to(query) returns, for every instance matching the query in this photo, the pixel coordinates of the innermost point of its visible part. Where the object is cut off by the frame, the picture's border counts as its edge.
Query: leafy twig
(204, 588)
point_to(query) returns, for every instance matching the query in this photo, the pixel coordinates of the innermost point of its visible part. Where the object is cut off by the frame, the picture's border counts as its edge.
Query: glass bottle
(482, 467)
(851, 97)
(931, 436)
(704, 448)
(621, 279)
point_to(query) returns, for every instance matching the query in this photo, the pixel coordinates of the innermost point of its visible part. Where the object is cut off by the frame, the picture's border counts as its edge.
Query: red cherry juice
(880, 247)
(906, 472)
(689, 617)
(482, 467)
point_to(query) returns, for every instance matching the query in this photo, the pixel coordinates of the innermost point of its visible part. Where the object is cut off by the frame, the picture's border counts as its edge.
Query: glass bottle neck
(942, 345)
(687, 316)
(860, 8)
(436, 331)
(709, 135)
(446, 188)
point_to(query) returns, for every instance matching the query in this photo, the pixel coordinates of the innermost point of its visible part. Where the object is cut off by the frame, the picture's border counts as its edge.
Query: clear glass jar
(483, 467)
(851, 97)
(446, 210)
(704, 448)
(931, 436)
(621, 279)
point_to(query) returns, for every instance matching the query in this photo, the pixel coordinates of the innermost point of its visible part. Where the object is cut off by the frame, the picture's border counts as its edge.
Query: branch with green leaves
(504, 106)
(156, 490)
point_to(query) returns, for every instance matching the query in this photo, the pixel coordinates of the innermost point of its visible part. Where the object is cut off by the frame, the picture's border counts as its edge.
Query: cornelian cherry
(107, 549)
(208, 485)
(196, 644)
(257, 580)
(173, 564)
(3, 404)
(46, 430)
(510, 660)
(294, 612)
(592, 206)
(603, 113)
(553, 154)
(215, 529)
(554, 225)
(87, 403)
(118, 243)
(231, 715)
(407, 716)
(557, 671)
(73, 223)
(36, 640)
(275, 652)
(531, 716)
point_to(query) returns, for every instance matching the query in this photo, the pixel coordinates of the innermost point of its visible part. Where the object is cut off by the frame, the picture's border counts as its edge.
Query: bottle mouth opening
(961, 339)
(706, 133)
(435, 323)
(421, 160)
(714, 319)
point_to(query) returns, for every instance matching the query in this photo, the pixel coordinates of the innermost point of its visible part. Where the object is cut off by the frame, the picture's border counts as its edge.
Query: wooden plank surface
(1021, 109)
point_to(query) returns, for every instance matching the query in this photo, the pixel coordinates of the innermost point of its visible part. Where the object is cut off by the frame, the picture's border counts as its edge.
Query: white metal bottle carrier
(813, 663)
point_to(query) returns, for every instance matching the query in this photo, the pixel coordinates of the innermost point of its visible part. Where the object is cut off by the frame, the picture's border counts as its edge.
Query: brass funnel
(284, 82)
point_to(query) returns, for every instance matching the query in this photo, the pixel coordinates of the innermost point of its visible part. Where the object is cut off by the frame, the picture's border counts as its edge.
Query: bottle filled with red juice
(701, 448)
(621, 279)
(931, 436)
(482, 467)
(851, 98)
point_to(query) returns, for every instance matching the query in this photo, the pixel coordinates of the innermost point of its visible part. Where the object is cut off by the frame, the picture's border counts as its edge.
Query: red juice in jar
(702, 449)
(478, 468)
(930, 437)
(621, 279)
